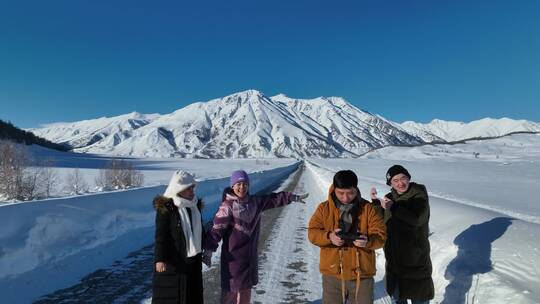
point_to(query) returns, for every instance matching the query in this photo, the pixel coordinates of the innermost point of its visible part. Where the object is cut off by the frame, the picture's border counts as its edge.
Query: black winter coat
(407, 249)
(182, 280)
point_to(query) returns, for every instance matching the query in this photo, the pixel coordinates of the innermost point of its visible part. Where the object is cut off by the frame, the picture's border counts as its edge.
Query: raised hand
(302, 197)
(373, 193)
(386, 203)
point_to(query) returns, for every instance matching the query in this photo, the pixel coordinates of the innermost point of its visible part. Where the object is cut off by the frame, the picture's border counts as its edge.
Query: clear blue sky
(68, 60)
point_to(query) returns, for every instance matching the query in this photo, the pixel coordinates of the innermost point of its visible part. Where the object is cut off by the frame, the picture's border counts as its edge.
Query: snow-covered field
(485, 222)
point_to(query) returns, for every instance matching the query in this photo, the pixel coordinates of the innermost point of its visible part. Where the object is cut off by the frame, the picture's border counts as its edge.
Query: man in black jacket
(407, 249)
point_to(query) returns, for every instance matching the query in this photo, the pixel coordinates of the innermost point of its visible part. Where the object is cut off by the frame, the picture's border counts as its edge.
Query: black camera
(349, 233)
(349, 237)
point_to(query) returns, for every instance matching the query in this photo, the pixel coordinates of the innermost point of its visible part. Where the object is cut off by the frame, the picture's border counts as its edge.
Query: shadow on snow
(473, 257)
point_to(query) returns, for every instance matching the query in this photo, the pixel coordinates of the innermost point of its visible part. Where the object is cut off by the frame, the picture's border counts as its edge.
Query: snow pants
(332, 291)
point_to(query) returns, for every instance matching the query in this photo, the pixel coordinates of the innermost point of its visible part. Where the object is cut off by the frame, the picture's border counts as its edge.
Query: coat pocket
(409, 250)
(329, 263)
(367, 262)
(165, 284)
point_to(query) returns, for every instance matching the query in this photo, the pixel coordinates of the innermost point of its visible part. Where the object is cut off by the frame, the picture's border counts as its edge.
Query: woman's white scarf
(192, 236)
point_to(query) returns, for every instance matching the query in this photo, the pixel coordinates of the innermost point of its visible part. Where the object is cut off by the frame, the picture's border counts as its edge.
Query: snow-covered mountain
(245, 124)
(105, 130)
(440, 130)
(249, 124)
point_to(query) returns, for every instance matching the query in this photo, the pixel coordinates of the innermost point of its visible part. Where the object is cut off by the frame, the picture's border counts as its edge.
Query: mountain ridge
(249, 124)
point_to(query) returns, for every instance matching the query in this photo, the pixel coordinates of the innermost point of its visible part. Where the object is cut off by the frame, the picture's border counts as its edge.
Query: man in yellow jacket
(348, 230)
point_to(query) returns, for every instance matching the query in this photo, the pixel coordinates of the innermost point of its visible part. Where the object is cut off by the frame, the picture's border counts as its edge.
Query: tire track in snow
(289, 271)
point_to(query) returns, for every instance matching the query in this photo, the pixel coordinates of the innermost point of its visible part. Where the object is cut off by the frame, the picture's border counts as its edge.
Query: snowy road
(287, 260)
(290, 263)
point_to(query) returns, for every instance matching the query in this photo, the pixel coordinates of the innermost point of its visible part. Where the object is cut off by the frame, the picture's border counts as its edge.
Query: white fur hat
(180, 181)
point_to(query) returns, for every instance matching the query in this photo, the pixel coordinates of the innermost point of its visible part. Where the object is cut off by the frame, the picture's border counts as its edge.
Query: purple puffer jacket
(237, 222)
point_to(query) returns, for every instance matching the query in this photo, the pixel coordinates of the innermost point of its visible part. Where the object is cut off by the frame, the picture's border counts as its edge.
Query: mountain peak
(280, 95)
(251, 93)
(243, 97)
(243, 124)
(332, 100)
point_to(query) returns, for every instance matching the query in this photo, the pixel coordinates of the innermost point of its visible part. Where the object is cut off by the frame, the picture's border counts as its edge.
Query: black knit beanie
(395, 170)
(345, 179)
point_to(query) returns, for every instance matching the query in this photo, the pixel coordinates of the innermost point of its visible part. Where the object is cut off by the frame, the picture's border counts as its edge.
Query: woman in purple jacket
(237, 222)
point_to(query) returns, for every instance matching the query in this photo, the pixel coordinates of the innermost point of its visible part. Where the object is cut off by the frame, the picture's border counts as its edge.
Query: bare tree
(19, 181)
(75, 183)
(31, 186)
(119, 174)
(101, 180)
(49, 177)
(40, 180)
(12, 168)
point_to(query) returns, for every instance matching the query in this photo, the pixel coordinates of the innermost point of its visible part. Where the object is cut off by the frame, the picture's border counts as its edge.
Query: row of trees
(23, 178)
(10, 132)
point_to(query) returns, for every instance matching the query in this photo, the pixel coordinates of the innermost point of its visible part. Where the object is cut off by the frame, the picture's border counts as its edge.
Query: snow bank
(53, 243)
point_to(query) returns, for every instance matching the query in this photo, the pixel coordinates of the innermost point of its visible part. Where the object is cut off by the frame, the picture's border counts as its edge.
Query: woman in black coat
(178, 238)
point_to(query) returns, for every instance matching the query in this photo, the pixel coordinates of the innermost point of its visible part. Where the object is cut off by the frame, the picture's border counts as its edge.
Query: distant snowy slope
(245, 125)
(503, 150)
(88, 132)
(453, 130)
